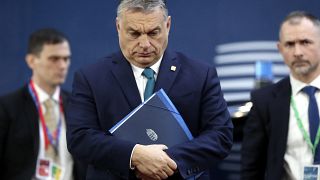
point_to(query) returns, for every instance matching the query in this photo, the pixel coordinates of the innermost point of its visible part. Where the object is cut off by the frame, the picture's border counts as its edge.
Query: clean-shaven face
(143, 37)
(50, 66)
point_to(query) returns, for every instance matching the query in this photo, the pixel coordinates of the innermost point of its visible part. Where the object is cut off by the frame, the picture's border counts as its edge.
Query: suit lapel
(169, 69)
(280, 110)
(122, 71)
(32, 117)
(64, 96)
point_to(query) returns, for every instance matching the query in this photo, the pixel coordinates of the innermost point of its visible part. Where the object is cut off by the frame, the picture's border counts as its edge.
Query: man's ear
(279, 46)
(118, 24)
(168, 23)
(30, 60)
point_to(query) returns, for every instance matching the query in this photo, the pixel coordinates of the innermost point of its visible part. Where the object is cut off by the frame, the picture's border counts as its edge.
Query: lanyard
(50, 138)
(303, 130)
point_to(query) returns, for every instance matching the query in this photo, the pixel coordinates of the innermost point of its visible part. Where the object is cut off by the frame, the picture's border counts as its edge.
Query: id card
(43, 169)
(56, 172)
(311, 172)
(47, 170)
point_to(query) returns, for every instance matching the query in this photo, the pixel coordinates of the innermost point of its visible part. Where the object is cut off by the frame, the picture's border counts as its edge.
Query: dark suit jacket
(106, 92)
(19, 136)
(266, 132)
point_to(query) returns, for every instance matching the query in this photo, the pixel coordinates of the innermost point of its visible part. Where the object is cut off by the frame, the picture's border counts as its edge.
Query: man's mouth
(300, 63)
(144, 54)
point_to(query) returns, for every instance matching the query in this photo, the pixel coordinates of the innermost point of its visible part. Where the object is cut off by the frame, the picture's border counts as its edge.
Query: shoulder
(15, 96)
(15, 100)
(104, 63)
(280, 88)
(184, 59)
(191, 65)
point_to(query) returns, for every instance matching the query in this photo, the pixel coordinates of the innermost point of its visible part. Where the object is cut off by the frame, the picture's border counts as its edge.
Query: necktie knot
(49, 103)
(309, 90)
(148, 73)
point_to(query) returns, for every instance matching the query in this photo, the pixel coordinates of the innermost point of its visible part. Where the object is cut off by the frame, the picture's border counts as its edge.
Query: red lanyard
(49, 138)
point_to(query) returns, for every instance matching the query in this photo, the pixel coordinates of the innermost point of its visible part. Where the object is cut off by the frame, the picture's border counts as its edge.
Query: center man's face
(143, 37)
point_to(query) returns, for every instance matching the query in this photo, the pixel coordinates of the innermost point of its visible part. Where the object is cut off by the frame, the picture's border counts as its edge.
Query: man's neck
(49, 89)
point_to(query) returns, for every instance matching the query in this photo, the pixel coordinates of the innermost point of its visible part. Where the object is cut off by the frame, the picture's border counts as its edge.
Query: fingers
(152, 162)
(172, 165)
(163, 147)
(168, 171)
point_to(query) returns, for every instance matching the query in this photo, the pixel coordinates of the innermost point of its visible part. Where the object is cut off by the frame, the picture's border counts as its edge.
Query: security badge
(311, 172)
(47, 170)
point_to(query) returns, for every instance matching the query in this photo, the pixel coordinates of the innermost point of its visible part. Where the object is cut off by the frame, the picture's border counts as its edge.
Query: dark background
(197, 27)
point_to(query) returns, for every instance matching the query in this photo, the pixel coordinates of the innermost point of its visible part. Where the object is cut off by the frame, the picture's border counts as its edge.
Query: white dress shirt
(64, 155)
(298, 152)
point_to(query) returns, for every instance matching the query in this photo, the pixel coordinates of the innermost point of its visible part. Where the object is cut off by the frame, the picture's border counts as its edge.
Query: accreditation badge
(57, 172)
(311, 172)
(43, 170)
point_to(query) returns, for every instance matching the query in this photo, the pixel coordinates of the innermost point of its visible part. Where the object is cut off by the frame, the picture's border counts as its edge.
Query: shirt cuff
(130, 165)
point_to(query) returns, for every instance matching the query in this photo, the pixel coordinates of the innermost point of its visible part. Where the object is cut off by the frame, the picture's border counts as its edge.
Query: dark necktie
(313, 116)
(149, 74)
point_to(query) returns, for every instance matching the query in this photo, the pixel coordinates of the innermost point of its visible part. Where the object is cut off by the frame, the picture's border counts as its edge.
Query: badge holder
(311, 172)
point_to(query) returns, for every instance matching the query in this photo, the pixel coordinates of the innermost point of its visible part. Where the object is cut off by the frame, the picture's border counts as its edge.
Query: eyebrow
(154, 29)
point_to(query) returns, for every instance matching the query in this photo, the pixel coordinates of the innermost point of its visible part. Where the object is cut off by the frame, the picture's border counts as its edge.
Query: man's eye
(54, 59)
(305, 42)
(289, 44)
(153, 33)
(134, 34)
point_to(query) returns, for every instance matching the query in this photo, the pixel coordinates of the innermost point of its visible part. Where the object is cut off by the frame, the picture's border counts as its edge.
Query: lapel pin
(173, 68)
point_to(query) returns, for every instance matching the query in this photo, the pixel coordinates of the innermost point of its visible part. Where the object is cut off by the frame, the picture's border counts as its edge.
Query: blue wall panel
(198, 27)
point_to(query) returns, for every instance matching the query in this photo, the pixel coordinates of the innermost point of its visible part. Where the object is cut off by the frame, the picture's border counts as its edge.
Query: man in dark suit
(25, 134)
(279, 126)
(107, 91)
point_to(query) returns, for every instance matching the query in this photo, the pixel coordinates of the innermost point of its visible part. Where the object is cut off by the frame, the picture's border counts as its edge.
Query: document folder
(155, 121)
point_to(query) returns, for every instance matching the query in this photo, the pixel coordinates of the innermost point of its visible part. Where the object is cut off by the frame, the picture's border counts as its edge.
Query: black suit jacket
(19, 136)
(266, 132)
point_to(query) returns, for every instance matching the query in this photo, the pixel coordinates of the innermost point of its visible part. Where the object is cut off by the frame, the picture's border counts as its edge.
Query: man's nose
(64, 63)
(144, 41)
(297, 51)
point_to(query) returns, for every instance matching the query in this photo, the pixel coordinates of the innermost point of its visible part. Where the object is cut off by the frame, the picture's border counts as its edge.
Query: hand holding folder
(155, 121)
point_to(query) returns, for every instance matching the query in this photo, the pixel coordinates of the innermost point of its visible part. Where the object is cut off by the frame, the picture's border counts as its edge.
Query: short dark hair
(143, 6)
(44, 36)
(295, 17)
(298, 15)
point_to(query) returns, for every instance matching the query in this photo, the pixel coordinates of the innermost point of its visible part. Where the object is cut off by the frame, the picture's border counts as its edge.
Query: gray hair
(142, 6)
(295, 18)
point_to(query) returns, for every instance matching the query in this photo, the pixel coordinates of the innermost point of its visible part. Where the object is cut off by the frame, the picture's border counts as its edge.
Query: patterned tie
(149, 74)
(51, 122)
(313, 115)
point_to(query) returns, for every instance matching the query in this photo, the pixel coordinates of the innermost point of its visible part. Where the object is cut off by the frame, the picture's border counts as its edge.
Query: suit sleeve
(85, 137)
(214, 139)
(254, 145)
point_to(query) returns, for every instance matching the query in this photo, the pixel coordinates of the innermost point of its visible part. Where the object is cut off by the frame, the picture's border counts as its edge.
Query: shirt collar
(43, 96)
(297, 85)
(155, 67)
